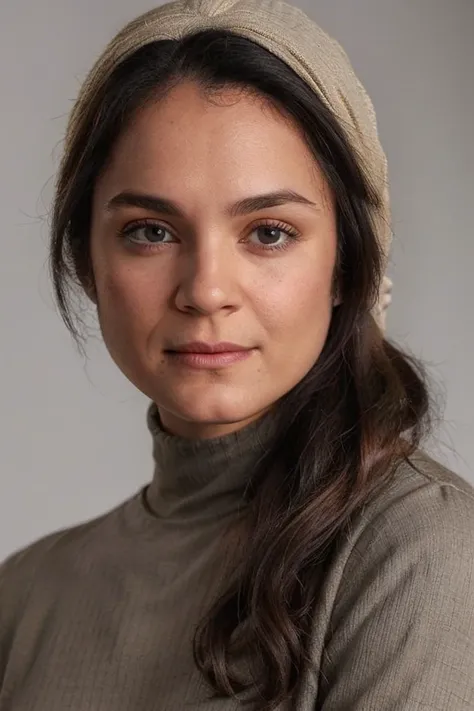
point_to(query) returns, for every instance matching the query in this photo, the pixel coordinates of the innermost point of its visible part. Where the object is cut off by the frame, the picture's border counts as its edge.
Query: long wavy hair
(362, 408)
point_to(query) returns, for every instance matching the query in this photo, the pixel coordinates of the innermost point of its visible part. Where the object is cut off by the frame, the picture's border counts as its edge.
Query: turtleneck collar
(202, 479)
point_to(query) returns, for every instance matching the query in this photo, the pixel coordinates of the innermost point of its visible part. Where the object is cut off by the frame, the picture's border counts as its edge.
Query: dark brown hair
(361, 409)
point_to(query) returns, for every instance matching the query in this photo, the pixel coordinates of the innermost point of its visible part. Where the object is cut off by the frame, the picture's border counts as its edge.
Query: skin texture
(210, 277)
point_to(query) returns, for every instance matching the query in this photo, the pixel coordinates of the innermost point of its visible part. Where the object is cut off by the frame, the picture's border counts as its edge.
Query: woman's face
(212, 223)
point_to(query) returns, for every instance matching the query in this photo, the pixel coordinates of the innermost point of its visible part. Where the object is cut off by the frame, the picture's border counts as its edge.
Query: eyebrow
(242, 207)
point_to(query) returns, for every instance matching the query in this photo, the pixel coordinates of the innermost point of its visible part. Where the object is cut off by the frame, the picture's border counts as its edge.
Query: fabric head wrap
(288, 33)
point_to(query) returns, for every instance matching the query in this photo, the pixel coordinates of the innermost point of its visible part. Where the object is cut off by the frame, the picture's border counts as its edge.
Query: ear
(336, 288)
(383, 303)
(89, 289)
(336, 294)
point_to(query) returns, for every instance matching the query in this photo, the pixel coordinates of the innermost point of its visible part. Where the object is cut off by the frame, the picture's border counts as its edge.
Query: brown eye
(272, 237)
(147, 233)
(269, 235)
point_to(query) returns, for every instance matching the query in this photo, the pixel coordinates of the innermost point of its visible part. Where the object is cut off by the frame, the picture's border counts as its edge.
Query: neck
(184, 429)
(205, 478)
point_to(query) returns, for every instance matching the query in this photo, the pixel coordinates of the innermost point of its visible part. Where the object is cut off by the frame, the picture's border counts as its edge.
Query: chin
(207, 413)
(210, 413)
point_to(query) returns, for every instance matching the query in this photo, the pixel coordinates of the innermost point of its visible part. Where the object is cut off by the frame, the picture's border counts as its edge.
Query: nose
(206, 280)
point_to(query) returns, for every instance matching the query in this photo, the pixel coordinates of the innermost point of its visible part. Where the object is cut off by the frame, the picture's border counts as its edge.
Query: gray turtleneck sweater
(100, 617)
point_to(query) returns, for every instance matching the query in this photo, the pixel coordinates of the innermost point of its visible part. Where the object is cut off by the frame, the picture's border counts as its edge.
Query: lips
(208, 356)
(202, 347)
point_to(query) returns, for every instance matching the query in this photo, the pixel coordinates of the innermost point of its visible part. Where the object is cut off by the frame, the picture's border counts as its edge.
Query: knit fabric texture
(101, 616)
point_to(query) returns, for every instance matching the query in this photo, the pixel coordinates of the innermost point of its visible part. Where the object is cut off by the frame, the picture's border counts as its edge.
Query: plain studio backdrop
(73, 439)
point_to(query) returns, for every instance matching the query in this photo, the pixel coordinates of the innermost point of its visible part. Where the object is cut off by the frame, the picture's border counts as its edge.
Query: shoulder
(399, 628)
(420, 524)
(51, 557)
(399, 597)
(25, 562)
(421, 493)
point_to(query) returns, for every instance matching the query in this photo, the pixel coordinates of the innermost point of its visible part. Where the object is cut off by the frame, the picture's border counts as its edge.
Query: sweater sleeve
(17, 574)
(13, 588)
(402, 630)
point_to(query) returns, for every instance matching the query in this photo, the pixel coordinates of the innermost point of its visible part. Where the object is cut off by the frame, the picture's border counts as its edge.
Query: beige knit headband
(289, 34)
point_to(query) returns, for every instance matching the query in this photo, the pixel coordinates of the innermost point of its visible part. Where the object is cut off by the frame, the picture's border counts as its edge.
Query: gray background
(73, 435)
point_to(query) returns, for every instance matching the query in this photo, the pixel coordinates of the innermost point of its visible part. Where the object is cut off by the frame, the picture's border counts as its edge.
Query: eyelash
(292, 234)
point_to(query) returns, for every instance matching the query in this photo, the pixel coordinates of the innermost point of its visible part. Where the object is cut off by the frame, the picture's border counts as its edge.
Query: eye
(269, 236)
(147, 233)
(266, 237)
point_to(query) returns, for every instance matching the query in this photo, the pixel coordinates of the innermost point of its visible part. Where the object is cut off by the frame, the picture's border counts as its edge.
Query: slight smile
(204, 356)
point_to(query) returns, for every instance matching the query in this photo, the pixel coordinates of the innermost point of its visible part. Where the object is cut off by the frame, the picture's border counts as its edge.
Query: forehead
(230, 138)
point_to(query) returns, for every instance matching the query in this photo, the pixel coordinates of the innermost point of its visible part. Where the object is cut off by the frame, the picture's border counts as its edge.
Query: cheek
(130, 300)
(298, 304)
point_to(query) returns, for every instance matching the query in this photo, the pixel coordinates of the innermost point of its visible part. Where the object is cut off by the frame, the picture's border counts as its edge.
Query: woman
(223, 202)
